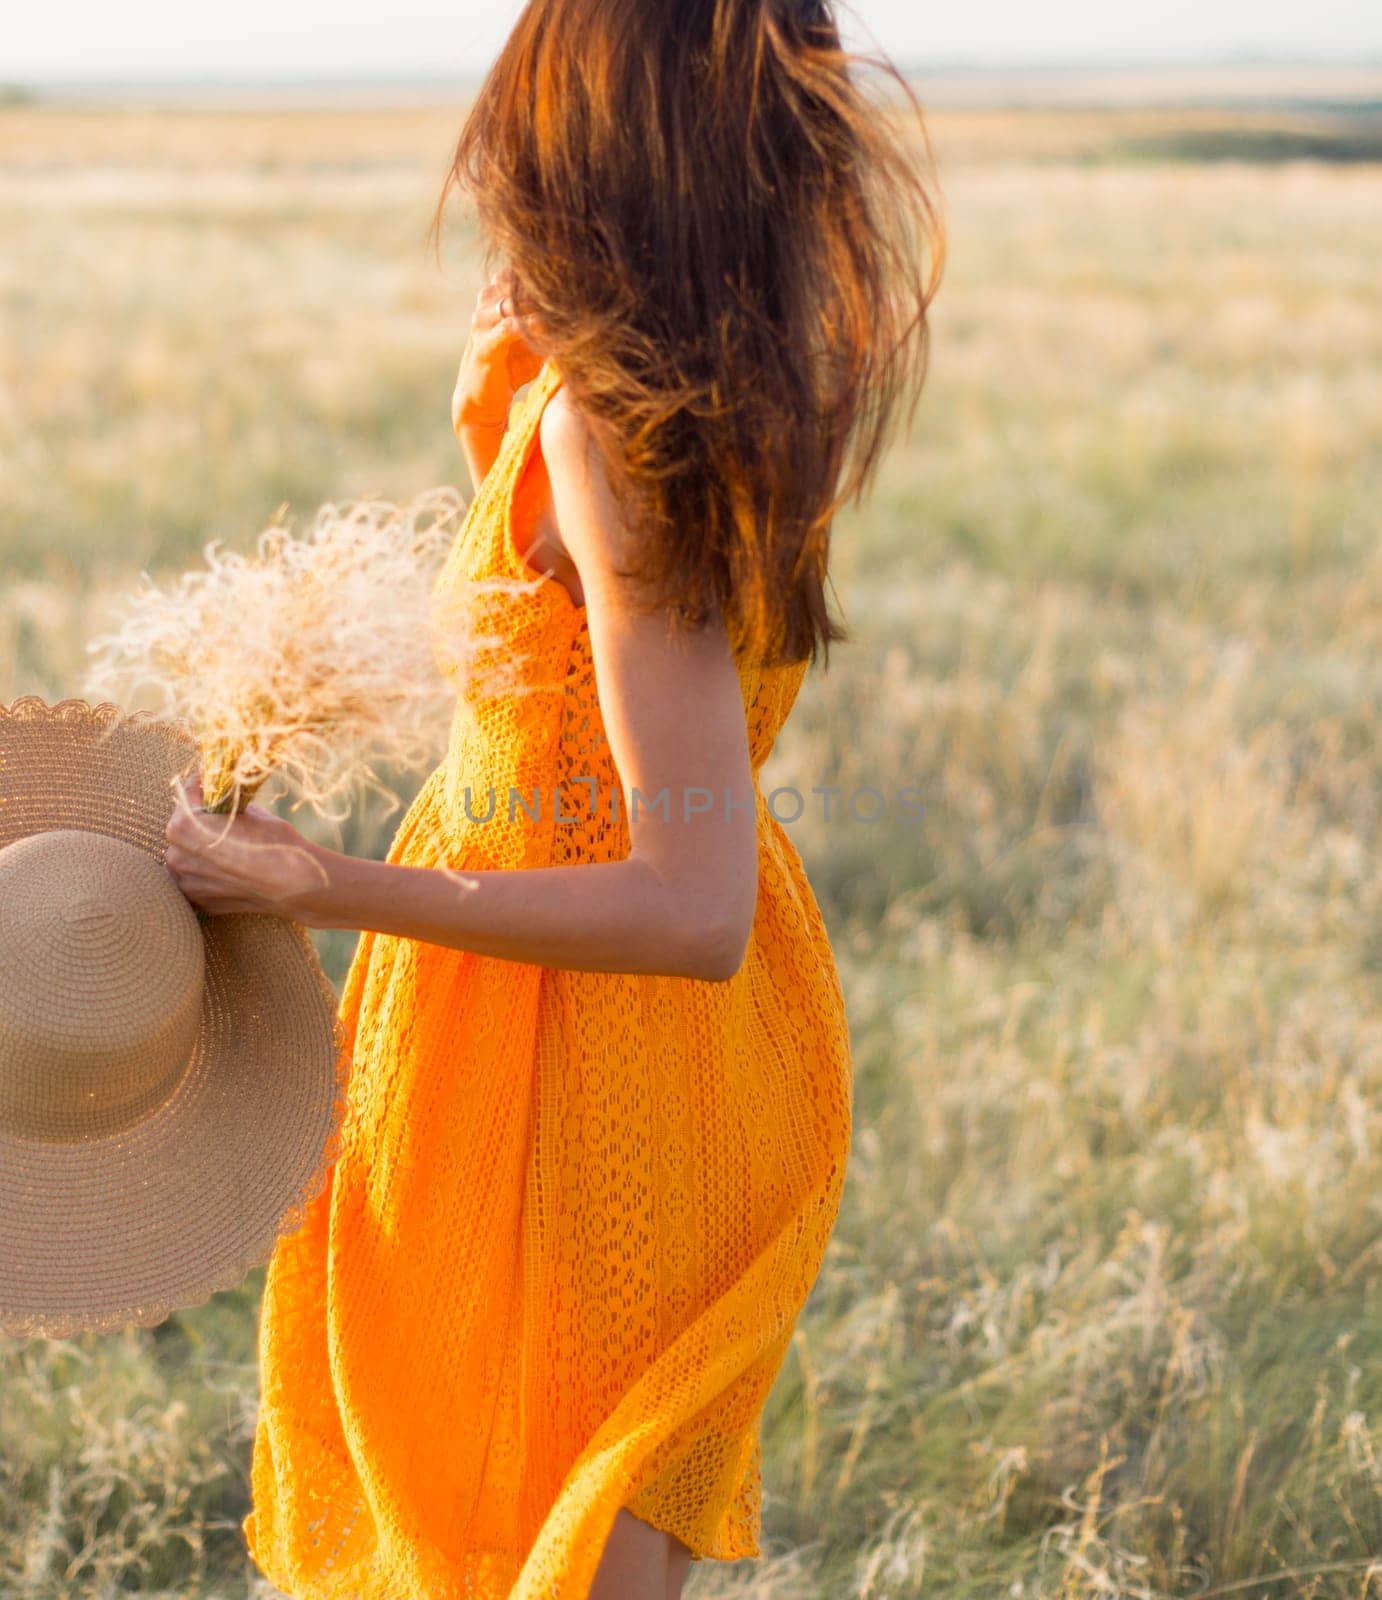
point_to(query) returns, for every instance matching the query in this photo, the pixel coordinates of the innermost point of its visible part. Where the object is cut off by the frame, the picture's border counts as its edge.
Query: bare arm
(498, 359)
(681, 903)
(480, 442)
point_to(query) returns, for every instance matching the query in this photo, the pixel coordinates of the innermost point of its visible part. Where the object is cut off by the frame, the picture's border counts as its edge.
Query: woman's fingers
(494, 324)
(496, 301)
(198, 889)
(182, 797)
(182, 825)
(208, 899)
(486, 317)
(195, 829)
(502, 330)
(498, 310)
(503, 282)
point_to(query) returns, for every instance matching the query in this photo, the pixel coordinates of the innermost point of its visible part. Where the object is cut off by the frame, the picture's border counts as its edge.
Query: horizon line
(958, 63)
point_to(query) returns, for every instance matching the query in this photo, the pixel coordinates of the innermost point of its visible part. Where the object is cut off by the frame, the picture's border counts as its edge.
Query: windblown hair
(730, 249)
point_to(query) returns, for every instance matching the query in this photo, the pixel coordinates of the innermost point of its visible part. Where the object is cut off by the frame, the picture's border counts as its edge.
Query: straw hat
(170, 1082)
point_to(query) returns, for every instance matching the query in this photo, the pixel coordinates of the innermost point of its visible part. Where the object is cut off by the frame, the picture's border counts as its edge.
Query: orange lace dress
(556, 1266)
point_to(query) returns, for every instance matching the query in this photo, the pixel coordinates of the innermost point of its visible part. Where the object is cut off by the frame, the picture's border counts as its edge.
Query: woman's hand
(499, 358)
(253, 861)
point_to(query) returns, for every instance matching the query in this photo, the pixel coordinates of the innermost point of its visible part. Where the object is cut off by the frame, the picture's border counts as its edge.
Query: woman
(598, 1107)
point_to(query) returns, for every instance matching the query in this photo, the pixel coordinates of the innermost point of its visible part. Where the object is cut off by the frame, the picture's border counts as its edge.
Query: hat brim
(124, 1229)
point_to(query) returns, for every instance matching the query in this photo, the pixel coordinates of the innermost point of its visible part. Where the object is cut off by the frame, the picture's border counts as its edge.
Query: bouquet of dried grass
(318, 658)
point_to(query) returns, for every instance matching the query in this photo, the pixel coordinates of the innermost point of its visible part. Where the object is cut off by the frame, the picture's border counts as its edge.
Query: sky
(172, 40)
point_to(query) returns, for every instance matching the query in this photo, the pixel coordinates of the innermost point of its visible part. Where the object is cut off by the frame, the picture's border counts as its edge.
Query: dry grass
(315, 660)
(1101, 1316)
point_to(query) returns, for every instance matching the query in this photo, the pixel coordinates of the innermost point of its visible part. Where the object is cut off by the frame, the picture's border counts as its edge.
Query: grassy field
(1103, 1311)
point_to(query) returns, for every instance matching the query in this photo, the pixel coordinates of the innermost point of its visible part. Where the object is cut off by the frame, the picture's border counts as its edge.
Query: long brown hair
(730, 249)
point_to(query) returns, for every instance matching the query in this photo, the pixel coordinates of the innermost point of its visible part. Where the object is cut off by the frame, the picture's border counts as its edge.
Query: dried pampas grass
(317, 658)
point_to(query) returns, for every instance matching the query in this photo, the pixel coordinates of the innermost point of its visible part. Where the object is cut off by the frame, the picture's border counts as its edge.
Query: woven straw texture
(558, 1266)
(171, 1084)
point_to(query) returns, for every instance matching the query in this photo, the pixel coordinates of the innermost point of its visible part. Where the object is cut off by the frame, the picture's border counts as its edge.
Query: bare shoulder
(589, 525)
(568, 446)
(563, 425)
